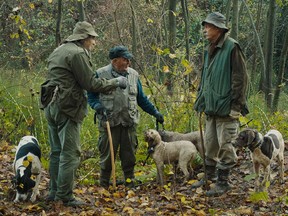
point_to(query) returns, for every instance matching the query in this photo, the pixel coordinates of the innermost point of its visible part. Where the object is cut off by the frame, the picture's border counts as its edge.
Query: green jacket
(70, 68)
(224, 80)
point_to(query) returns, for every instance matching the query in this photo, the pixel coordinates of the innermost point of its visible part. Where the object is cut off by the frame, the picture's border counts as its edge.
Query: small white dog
(27, 168)
(263, 151)
(169, 152)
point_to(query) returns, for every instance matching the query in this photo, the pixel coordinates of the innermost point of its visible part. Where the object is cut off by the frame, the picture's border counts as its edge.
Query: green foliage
(259, 196)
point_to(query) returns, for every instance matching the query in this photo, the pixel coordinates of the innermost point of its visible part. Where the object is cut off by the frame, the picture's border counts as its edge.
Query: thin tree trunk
(171, 41)
(186, 20)
(58, 23)
(228, 7)
(283, 59)
(257, 40)
(81, 9)
(254, 50)
(269, 53)
(234, 30)
(134, 36)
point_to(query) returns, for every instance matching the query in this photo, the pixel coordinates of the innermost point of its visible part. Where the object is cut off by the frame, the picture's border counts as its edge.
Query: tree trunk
(234, 30)
(228, 7)
(283, 59)
(253, 70)
(134, 36)
(269, 53)
(257, 40)
(171, 40)
(81, 9)
(186, 21)
(58, 23)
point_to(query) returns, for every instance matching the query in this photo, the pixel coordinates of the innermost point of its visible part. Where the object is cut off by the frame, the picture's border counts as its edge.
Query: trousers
(219, 133)
(124, 139)
(65, 150)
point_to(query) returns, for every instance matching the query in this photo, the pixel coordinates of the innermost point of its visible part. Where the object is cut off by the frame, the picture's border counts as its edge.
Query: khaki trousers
(219, 132)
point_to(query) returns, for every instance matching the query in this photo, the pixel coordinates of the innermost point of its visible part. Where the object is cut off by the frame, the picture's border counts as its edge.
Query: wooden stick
(112, 154)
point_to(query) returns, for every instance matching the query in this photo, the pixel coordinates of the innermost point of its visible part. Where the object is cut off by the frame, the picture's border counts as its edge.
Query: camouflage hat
(120, 51)
(81, 31)
(217, 19)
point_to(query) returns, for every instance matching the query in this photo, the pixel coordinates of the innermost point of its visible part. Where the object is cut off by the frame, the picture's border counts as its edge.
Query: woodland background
(165, 37)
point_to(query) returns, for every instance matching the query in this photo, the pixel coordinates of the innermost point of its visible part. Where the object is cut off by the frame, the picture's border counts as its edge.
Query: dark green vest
(214, 96)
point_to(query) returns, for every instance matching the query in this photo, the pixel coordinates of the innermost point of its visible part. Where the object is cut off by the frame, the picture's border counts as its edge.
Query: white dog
(169, 152)
(263, 151)
(27, 168)
(194, 137)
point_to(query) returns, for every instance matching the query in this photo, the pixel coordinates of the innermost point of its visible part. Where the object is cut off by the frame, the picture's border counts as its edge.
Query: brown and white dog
(169, 152)
(194, 137)
(27, 169)
(263, 151)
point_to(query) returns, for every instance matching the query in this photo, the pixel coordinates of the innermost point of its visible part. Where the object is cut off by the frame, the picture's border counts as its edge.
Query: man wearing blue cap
(222, 97)
(120, 108)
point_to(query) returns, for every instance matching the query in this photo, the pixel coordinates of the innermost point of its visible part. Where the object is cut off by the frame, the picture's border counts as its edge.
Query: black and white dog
(27, 168)
(263, 151)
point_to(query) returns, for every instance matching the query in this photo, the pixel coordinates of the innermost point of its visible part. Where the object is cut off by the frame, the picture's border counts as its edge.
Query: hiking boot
(104, 183)
(211, 176)
(222, 185)
(50, 198)
(74, 203)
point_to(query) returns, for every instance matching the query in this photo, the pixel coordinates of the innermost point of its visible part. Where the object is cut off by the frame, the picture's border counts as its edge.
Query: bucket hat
(217, 19)
(120, 51)
(81, 31)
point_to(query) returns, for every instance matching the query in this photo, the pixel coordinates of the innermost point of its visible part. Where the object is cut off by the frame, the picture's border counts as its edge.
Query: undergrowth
(20, 115)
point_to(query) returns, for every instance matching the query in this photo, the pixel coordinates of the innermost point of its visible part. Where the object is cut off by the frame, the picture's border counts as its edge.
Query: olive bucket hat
(217, 19)
(120, 51)
(81, 31)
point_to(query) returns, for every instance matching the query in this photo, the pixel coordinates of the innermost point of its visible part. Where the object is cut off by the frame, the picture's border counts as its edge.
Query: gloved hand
(122, 82)
(159, 117)
(235, 114)
(100, 109)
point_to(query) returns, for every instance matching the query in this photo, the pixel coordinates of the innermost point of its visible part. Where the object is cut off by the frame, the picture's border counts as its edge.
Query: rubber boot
(211, 176)
(222, 185)
(104, 179)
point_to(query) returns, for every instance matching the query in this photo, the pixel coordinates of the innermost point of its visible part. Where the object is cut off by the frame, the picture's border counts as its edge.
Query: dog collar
(151, 149)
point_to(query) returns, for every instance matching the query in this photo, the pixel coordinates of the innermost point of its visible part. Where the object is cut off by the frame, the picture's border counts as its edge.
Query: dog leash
(157, 125)
(246, 124)
(151, 149)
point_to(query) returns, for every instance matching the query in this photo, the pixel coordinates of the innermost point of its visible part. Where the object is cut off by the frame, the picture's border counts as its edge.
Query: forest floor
(151, 199)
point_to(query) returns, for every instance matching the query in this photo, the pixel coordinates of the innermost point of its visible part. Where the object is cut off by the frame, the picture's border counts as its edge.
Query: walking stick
(204, 157)
(111, 151)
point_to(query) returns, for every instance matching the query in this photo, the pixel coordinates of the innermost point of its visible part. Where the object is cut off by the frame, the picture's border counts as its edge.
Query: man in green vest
(119, 107)
(222, 97)
(64, 100)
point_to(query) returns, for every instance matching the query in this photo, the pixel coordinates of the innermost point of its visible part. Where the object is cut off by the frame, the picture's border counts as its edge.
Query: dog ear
(251, 136)
(267, 147)
(35, 141)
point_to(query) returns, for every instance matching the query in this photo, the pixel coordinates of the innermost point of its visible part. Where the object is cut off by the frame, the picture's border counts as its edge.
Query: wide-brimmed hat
(81, 31)
(217, 19)
(120, 51)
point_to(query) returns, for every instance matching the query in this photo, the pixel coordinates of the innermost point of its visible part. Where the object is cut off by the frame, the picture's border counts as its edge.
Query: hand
(100, 109)
(234, 114)
(122, 82)
(159, 117)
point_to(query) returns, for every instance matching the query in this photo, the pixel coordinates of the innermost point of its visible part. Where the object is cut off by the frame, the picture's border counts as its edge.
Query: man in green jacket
(222, 97)
(64, 100)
